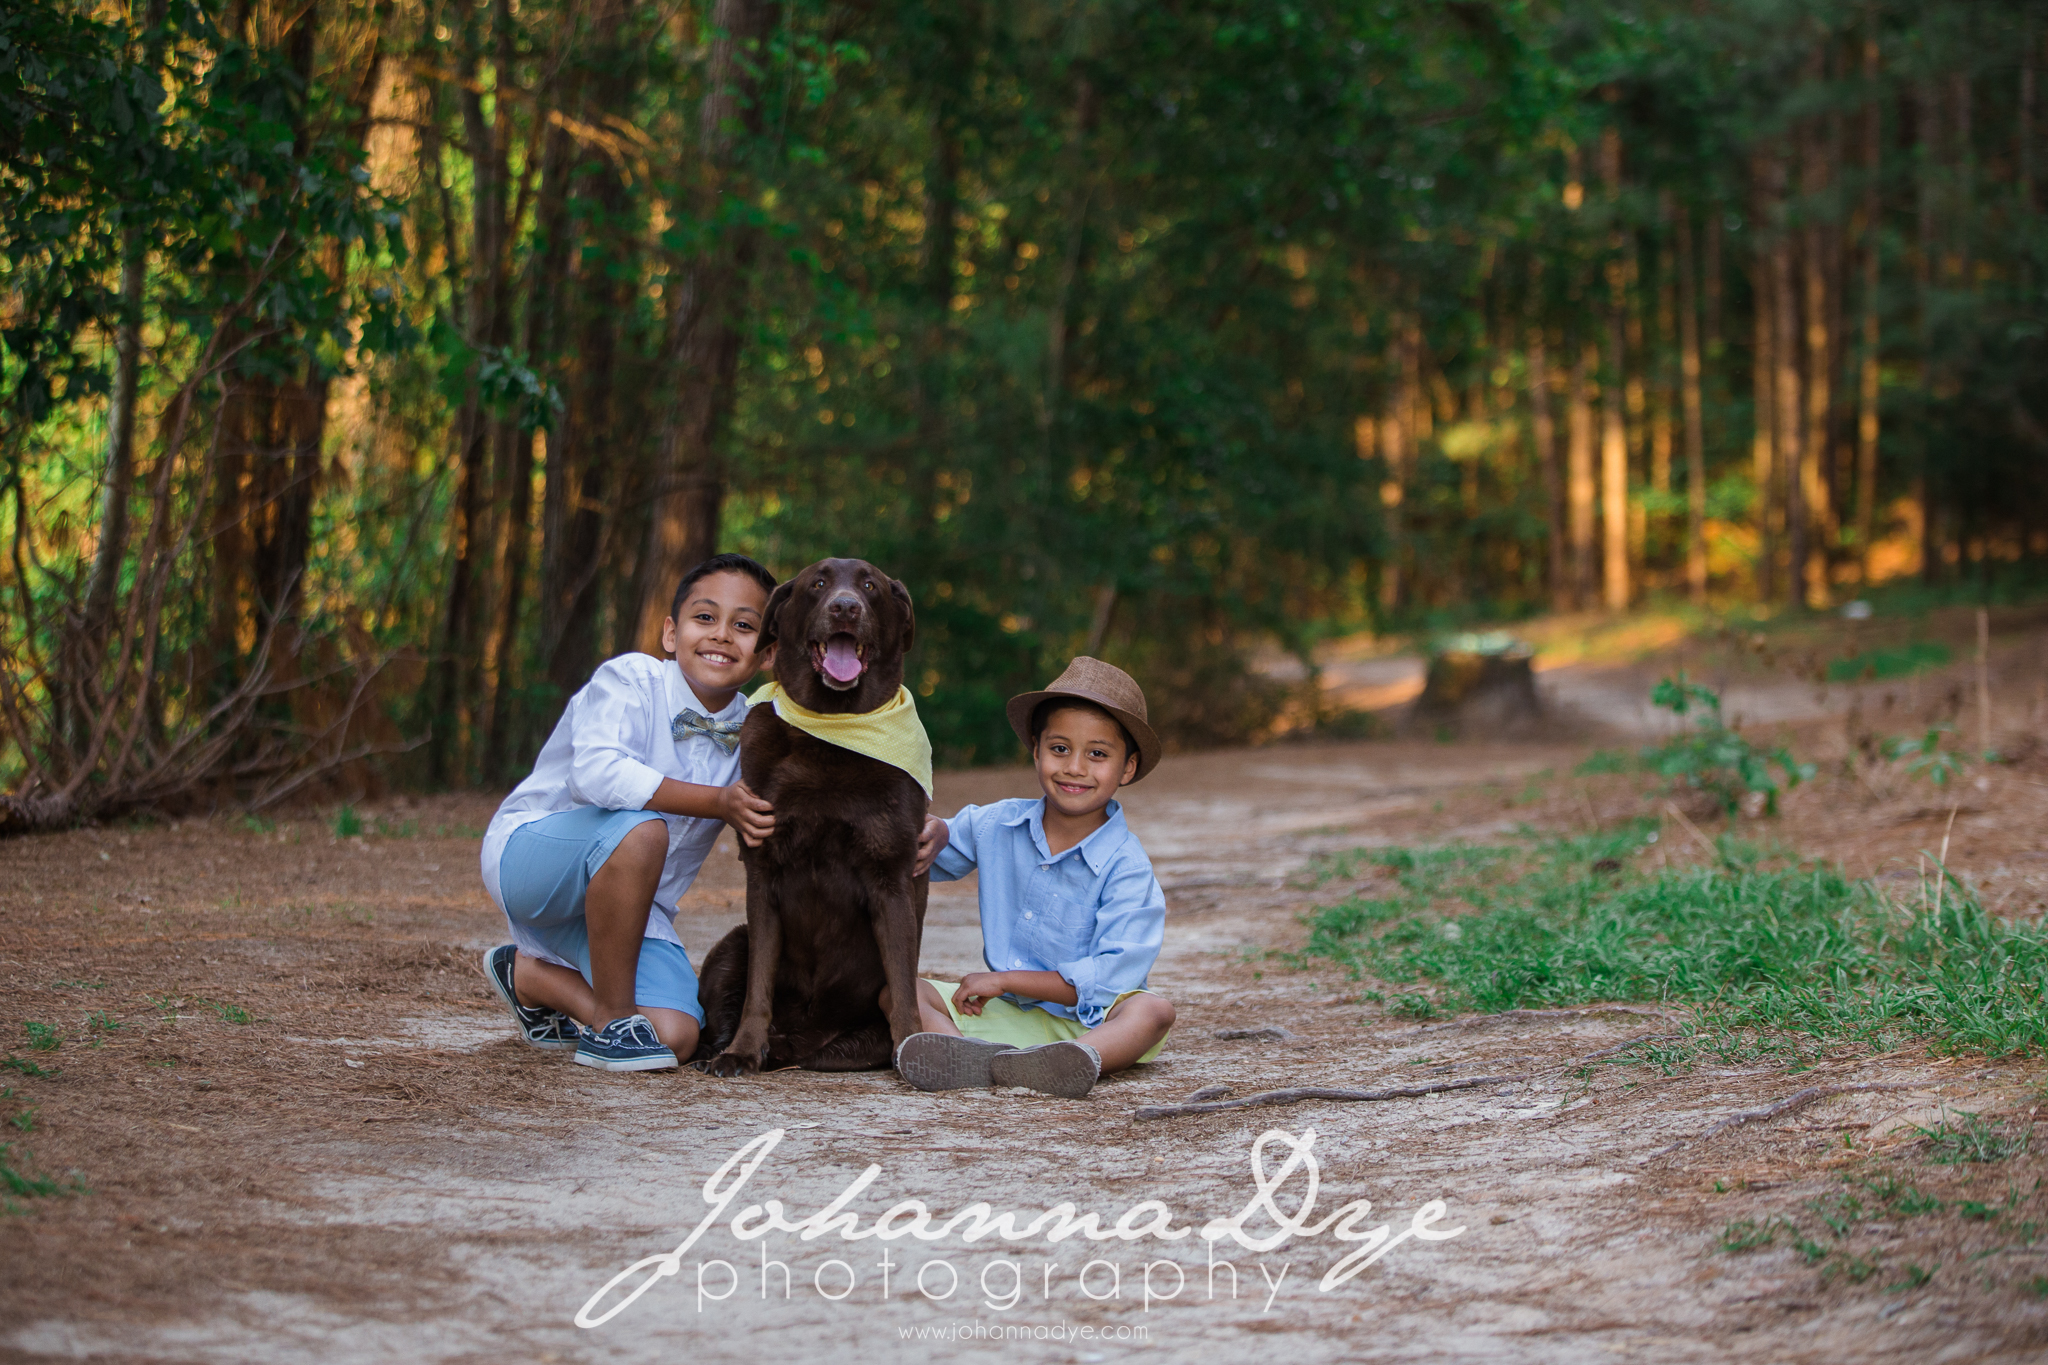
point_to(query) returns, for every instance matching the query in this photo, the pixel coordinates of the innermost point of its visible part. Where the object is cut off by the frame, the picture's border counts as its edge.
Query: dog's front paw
(730, 1064)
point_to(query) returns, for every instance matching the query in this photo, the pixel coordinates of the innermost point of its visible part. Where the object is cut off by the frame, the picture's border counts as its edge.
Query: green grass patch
(1763, 944)
(1964, 1137)
(28, 1068)
(42, 1037)
(1901, 661)
(19, 1180)
(1746, 1234)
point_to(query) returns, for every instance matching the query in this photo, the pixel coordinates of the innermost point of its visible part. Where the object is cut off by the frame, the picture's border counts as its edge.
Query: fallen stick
(1476, 1020)
(1788, 1105)
(1713, 849)
(1168, 1111)
(1276, 1032)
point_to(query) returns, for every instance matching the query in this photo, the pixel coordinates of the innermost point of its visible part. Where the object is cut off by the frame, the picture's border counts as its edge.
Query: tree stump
(1479, 685)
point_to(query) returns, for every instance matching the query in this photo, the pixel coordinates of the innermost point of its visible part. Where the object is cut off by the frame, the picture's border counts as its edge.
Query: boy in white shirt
(590, 854)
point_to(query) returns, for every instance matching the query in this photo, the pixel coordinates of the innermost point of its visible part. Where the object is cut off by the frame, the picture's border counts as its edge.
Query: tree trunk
(1785, 398)
(1867, 393)
(120, 468)
(1763, 381)
(1614, 508)
(704, 326)
(1397, 450)
(271, 432)
(1812, 568)
(1711, 284)
(1695, 428)
(1927, 111)
(1666, 401)
(505, 748)
(1580, 480)
(1543, 434)
(463, 612)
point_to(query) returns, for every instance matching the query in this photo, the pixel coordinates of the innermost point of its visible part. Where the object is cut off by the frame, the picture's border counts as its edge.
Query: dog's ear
(771, 617)
(902, 596)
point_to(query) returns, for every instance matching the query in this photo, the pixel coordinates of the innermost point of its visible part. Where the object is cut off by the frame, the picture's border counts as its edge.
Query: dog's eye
(869, 585)
(819, 584)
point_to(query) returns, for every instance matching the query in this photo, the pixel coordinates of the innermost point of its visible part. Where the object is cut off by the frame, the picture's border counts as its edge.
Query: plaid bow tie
(724, 733)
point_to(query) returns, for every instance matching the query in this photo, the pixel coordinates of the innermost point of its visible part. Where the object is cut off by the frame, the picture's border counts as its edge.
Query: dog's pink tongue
(842, 658)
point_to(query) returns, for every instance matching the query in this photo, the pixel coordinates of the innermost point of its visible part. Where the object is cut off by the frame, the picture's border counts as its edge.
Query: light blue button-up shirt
(1095, 913)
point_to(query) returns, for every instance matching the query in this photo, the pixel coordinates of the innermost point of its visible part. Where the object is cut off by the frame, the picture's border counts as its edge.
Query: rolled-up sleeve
(958, 857)
(1130, 926)
(613, 719)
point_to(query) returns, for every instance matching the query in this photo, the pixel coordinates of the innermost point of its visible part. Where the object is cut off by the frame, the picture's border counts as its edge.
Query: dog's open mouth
(840, 658)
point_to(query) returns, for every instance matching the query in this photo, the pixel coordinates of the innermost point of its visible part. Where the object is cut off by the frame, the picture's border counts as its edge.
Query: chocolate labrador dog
(833, 912)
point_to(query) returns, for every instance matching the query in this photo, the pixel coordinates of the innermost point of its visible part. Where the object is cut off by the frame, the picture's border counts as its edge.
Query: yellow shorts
(1000, 1021)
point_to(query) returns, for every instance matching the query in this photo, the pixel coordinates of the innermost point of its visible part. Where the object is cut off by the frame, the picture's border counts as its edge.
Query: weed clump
(1713, 758)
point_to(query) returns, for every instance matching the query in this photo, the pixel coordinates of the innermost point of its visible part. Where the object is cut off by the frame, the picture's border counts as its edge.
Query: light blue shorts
(545, 870)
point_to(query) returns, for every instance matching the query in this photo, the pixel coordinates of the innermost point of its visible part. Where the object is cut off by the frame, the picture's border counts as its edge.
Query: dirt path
(373, 1170)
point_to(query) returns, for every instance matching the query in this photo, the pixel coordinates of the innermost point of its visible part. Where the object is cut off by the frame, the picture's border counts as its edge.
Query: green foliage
(1746, 1234)
(1916, 1276)
(346, 823)
(1602, 763)
(18, 1179)
(1713, 758)
(1925, 757)
(1090, 323)
(1966, 1137)
(42, 1037)
(27, 1067)
(1783, 948)
(1881, 664)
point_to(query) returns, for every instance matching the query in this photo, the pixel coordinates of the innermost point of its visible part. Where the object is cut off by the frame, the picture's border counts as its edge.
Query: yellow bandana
(892, 735)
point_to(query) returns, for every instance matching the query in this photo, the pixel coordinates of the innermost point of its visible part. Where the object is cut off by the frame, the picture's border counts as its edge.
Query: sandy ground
(373, 1169)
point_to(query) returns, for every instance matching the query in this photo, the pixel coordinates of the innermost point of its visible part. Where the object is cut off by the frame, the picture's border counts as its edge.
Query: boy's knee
(1155, 1010)
(645, 844)
(677, 1031)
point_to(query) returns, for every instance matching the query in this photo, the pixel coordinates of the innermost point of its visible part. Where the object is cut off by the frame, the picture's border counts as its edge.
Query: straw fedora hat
(1110, 688)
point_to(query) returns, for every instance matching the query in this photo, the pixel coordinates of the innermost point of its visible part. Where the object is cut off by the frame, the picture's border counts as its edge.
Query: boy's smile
(717, 635)
(1082, 760)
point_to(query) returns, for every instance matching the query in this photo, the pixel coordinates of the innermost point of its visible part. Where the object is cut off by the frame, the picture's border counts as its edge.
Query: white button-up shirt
(612, 748)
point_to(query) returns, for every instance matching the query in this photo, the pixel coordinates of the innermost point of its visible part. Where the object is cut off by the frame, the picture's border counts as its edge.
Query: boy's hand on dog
(747, 813)
(930, 844)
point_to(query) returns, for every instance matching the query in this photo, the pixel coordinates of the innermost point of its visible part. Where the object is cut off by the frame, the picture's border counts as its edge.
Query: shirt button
(1027, 914)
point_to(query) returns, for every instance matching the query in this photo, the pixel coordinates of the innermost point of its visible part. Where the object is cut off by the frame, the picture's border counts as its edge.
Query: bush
(1711, 757)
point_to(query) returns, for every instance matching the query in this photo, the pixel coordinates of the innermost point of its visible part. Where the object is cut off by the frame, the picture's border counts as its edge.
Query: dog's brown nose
(845, 606)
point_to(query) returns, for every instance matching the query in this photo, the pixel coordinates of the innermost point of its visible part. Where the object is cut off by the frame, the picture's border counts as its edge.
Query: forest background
(370, 369)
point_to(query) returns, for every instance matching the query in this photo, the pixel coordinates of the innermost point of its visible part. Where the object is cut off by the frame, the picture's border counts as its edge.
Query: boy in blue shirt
(1072, 916)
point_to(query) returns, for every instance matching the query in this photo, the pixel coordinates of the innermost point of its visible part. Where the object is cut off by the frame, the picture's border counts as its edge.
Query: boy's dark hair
(725, 563)
(1041, 716)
